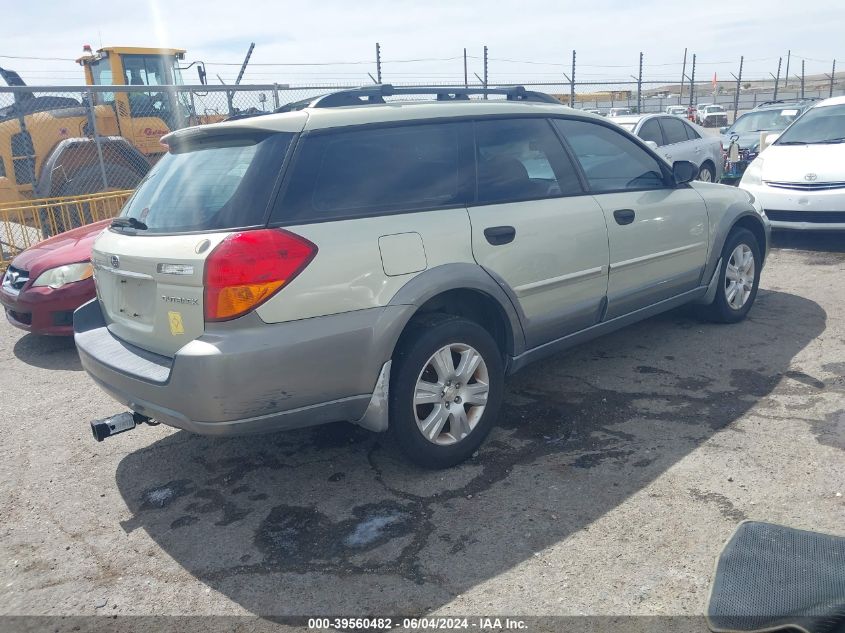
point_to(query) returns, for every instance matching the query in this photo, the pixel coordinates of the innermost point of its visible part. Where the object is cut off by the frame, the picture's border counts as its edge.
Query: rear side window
(378, 170)
(650, 131)
(691, 133)
(674, 129)
(210, 183)
(521, 159)
(611, 161)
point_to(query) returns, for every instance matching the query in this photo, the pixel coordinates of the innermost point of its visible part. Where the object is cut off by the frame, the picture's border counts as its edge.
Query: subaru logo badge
(115, 261)
(811, 177)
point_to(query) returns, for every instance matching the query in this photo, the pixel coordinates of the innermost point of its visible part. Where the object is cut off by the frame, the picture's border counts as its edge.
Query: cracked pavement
(616, 473)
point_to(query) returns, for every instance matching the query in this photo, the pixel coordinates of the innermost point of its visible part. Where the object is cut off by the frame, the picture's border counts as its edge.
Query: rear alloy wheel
(705, 174)
(445, 390)
(451, 394)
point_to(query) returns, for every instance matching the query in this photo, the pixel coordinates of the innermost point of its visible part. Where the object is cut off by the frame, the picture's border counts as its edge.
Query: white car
(677, 110)
(614, 112)
(676, 139)
(800, 179)
(711, 115)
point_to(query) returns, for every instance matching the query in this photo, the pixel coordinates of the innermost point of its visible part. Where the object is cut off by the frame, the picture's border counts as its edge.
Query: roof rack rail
(375, 94)
(790, 100)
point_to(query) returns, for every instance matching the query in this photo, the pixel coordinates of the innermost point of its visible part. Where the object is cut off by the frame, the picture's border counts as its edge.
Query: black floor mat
(770, 577)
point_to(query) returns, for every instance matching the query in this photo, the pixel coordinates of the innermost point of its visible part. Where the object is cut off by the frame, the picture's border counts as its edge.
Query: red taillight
(248, 268)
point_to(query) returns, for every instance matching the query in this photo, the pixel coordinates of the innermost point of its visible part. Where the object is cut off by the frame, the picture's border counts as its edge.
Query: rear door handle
(624, 216)
(498, 235)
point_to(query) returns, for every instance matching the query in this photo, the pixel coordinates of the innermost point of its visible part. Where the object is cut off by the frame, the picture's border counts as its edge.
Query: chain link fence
(60, 145)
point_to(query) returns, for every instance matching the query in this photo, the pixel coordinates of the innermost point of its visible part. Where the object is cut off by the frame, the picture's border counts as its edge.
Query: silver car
(388, 264)
(677, 139)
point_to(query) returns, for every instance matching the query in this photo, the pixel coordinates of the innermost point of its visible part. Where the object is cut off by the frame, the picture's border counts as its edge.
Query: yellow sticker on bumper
(176, 325)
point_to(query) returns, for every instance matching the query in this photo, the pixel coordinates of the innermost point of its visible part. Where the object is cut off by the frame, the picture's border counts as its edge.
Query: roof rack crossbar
(376, 94)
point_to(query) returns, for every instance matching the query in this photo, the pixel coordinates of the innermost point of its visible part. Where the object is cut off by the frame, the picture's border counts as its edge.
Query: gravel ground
(615, 476)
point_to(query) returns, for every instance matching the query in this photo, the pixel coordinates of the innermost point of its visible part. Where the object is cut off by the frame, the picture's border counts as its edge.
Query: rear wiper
(133, 223)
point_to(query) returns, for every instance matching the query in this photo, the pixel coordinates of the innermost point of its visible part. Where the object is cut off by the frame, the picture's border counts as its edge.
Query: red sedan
(45, 283)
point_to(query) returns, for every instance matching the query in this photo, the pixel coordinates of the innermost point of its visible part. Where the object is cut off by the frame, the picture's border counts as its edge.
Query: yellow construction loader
(53, 146)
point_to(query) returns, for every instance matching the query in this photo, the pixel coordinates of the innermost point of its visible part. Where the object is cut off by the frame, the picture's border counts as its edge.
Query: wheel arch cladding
(736, 216)
(465, 290)
(756, 227)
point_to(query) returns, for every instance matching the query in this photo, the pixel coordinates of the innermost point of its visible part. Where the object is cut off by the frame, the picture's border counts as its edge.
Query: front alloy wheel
(739, 276)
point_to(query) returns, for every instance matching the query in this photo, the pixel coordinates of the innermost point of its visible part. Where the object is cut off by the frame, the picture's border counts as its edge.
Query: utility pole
(832, 75)
(802, 78)
(738, 82)
(572, 83)
(466, 82)
(683, 77)
(230, 94)
(378, 63)
(485, 71)
(777, 79)
(244, 65)
(692, 83)
(786, 74)
(640, 87)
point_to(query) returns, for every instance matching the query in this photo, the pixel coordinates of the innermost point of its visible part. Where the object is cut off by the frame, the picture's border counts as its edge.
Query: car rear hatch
(149, 266)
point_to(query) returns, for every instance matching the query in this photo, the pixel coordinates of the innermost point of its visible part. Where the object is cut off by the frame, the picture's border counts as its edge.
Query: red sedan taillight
(248, 268)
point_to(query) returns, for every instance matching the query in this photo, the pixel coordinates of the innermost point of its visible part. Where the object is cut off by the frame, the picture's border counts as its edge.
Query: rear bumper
(43, 310)
(246, 376)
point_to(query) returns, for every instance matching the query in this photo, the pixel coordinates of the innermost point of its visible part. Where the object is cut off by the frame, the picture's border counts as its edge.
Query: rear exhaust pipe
(126, 421)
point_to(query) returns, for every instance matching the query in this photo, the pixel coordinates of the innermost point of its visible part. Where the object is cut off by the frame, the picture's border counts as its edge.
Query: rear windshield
(210, 183)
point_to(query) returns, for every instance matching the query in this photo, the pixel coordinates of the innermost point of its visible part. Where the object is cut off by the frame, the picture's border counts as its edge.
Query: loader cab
(143, 116)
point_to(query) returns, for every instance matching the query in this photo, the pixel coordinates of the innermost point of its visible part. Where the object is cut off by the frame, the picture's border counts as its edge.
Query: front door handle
(624, 216)
(498, 235)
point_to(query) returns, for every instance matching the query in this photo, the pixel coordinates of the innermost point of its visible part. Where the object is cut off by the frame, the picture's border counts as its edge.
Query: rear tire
(739, 278)
(445, 390)
(705, 174)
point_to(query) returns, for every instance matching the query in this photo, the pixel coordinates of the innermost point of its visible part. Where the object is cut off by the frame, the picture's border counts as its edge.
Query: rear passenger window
(674, 129)
(521, 159)
(650, 131)
(384, 170)
(691, 133)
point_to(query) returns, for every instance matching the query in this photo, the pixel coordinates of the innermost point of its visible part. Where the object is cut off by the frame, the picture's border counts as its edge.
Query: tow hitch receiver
(115, 424)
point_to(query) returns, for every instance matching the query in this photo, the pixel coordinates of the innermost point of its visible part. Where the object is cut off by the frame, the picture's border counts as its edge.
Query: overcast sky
(607, 34)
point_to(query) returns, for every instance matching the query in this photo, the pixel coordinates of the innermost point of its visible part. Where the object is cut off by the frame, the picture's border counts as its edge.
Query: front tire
(445, 391)
(739, 278)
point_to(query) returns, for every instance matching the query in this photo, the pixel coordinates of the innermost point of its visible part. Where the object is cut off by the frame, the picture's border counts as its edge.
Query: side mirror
(651, 144)
(723, 129)
(684, 171)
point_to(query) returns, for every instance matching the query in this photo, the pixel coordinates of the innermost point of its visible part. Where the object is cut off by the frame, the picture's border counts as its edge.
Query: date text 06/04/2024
(420, 624)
